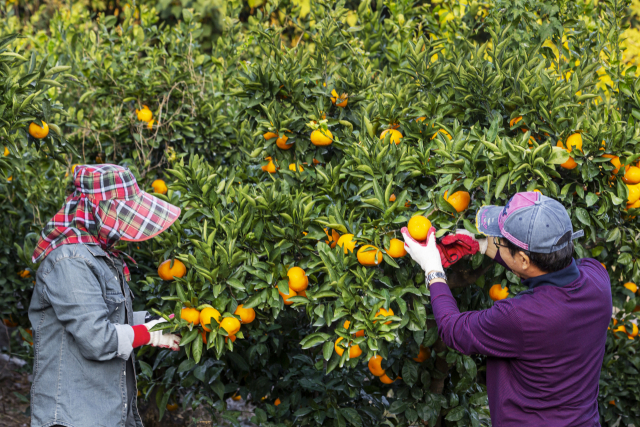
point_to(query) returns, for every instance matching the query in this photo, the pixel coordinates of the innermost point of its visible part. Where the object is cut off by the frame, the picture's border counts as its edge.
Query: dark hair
(548, 263)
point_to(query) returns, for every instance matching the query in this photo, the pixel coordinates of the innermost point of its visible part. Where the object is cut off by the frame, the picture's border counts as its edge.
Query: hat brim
(487, 220)
(144, 217)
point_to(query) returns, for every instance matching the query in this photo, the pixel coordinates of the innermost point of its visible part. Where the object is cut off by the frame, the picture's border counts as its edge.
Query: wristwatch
(435, 275)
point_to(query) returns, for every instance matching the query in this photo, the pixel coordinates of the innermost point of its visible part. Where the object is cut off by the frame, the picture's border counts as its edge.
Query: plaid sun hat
(107, 206)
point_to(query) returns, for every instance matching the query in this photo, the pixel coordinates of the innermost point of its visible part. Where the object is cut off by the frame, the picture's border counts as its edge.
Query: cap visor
(487, 220)
(145, 217)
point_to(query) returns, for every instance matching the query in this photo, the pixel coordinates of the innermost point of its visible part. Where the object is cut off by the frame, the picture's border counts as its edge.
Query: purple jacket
(545, 346)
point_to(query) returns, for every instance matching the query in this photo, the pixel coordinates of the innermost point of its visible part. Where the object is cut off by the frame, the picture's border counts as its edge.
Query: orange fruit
(30, 333)
(232, 337)
(384, 313)
(204, 336)
(150, 124)
(514, 121)
(191, 315)
(6, 151)
(172, 407)
(615, 161)
(339, 101)
(359, 333)
(394, 135)
(282, 143)
(419, 227)
(168, 274)
(270, 167)
(370, 257)
(292, 293)
(298, 280)
(231, 325)
(159, 186)
(302, 294)
(632, 175)
(236, 396)
(612, 402)
(354, 349)
(631, 286)
(268, 135)
(634, 205)
(277, 402)
(421, 119)
(444, 132)
(145, 114)
(38, 132)
(605, 267)
(247, 315)
(423, 354)
(375, 366)
(497, 292)
(333, 239)
(574, 141)
(347, 243)
(292, 167)
(634, 331)
(570, 163)
(396, 248)
(392, 198)
(634, 194)
(205, 317)
(385, 379)
(321, 137)
(24, 274)
(459, 200)
(9, 323)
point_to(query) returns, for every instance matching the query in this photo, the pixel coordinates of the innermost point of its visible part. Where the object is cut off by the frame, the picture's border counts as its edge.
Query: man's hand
(142, 336)
(424, 253)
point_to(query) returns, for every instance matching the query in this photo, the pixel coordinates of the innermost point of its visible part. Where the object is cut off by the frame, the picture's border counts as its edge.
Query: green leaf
(558, 156)
(327, 350)
(455, 414)
(409, 373)
(583, 216)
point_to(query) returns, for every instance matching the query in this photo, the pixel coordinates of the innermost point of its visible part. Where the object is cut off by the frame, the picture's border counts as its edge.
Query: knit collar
(558, 278)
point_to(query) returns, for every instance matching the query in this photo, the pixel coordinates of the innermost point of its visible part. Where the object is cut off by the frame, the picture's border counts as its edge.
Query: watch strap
(436, 275)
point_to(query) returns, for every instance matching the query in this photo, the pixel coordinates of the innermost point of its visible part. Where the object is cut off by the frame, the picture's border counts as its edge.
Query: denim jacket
(83, 371)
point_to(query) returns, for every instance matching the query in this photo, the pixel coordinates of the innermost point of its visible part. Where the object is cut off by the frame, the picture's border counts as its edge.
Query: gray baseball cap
(531, 221)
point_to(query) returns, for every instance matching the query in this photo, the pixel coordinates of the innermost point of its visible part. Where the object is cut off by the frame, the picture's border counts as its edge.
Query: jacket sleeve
(494, 332)
(74, 292)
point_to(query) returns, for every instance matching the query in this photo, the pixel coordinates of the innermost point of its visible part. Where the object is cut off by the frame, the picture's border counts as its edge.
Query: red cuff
(141, 336)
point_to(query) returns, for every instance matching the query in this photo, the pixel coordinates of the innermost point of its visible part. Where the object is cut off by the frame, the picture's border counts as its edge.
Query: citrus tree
(298, 144)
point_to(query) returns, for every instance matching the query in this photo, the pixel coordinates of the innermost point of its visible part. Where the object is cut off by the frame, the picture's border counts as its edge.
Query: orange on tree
(298, 280)
(277, 402)
(384, 313)
(632, 175)
(204, 336)
(634, 194)
(269, 135)
(302, 294)
(615, 161)
(385, 379)
(635, 205)
(150, 124)
(369, 255)
(419, 227)
(230, 337)
(171, 407)
(459, 200)
(292, 167)
(347, 243)
(205, 317)
(354, 349)
(444, 132)
(281, 143)
(339, 101)
(24, 274)
(394, 135)
(166, 272)
(321, 137)
(6, 151)
(37, 131)
(159, 186)
(497, 292)
(515, 121)
(612, 402)
(375, 366)
(570, 163)
(247, 315)
(231, 325)
(333, 238)
(423, 354)
(236, 396)
(359, 333)
(574, 141)
(392, 198)
(191, 315)
(292, 293)
(396, 248)
(631, 286)
(9, 323)
(270, 167)
(144, 115)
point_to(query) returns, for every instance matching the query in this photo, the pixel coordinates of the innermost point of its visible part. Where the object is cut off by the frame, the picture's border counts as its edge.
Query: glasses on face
(498, 243)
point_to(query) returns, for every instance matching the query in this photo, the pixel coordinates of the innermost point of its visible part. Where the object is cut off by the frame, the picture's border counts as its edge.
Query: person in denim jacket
(84, 328)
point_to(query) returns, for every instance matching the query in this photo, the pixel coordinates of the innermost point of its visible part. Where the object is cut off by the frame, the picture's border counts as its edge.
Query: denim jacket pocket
(115, 305)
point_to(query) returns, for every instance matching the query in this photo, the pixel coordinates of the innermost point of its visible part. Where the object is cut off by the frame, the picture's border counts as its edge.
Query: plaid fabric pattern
(106, 206)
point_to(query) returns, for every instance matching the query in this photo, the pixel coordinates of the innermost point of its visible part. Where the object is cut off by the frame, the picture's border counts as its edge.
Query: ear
(526, 261)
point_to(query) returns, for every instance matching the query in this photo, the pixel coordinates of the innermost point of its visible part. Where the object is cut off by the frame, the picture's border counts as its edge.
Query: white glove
(483, 243)
(158, 339)
(424, 253)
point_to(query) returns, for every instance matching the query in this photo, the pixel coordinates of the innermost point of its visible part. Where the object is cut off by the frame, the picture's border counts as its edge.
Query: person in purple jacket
(544, 346)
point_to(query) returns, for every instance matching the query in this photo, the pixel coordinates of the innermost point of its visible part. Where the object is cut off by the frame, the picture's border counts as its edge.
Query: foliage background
(217, 75)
